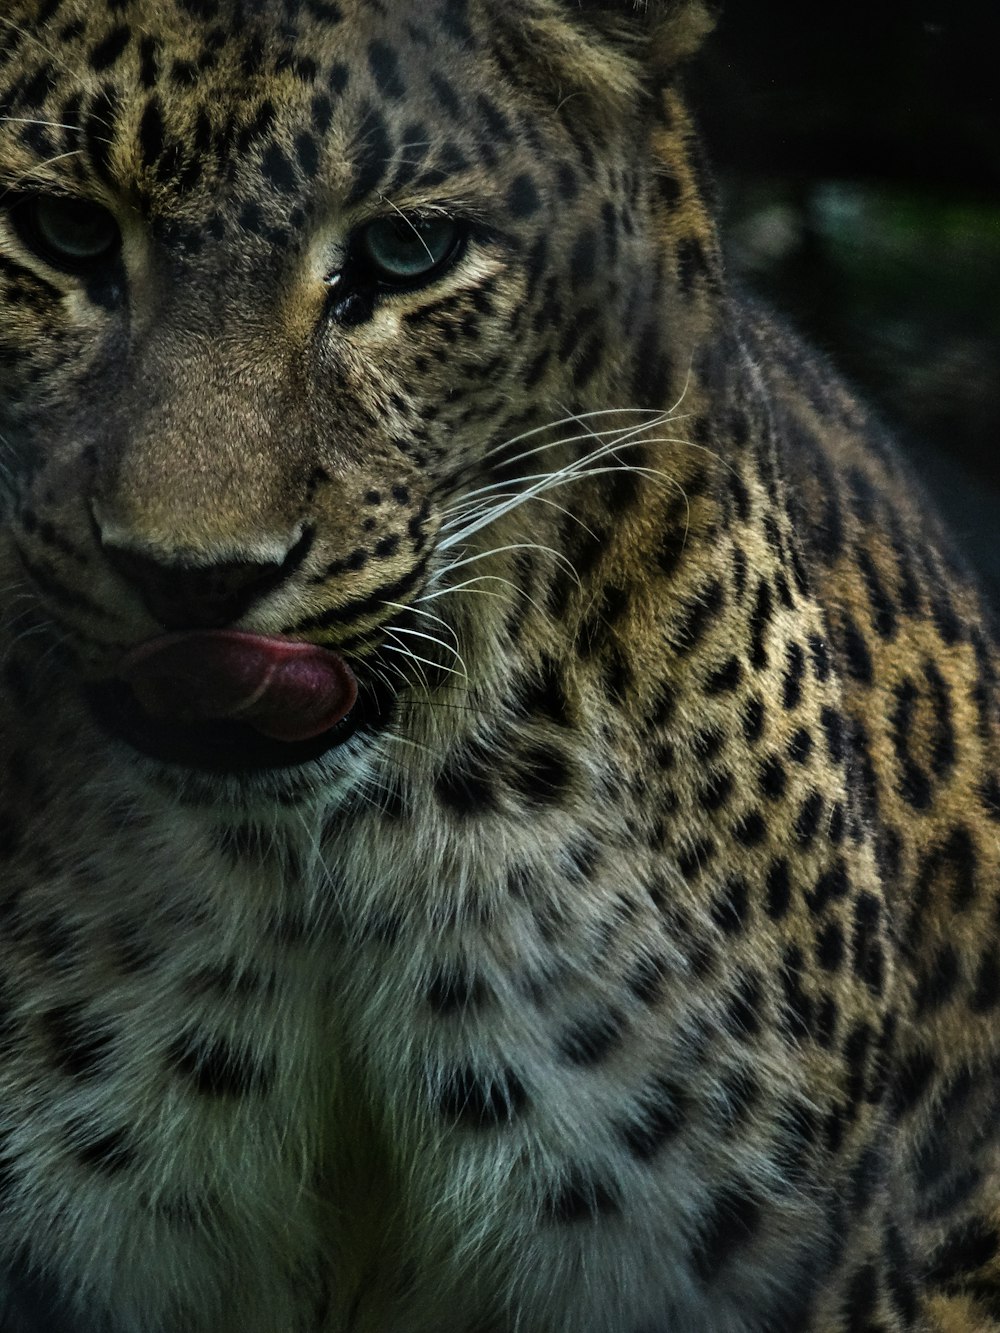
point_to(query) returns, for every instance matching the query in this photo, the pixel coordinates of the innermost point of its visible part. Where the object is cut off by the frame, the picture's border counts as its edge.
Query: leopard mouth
(213, 746)
(225, 701)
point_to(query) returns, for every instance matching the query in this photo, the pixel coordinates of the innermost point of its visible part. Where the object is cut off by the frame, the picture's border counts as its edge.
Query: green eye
(70, 234)
(404, 251)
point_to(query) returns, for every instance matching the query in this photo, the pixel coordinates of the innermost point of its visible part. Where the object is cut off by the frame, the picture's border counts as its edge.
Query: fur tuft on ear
(679, 33)
(674, 29)
(614, 52)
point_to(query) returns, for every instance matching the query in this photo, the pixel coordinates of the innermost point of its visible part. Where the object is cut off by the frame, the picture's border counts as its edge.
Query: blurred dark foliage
(857, 148)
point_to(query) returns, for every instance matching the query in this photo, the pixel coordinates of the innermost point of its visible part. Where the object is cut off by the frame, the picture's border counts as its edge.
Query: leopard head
(306, 304)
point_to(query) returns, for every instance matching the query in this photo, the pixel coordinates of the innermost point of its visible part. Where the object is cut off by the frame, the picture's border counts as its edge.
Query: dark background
(857, 148)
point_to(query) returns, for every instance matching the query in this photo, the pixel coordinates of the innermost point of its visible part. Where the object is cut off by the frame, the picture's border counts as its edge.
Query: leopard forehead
(264, 116)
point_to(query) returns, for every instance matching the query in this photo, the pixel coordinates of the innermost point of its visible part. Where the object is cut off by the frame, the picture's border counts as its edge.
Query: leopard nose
(183, 594)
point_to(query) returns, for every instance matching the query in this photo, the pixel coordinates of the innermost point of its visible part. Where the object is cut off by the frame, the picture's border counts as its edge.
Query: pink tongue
(287, 690)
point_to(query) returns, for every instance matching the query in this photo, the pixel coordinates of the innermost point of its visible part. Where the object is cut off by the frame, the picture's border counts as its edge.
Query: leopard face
(290, 315)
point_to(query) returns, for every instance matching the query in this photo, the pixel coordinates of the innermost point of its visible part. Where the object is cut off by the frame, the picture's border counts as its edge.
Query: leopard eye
(74, 235)
(407, 251)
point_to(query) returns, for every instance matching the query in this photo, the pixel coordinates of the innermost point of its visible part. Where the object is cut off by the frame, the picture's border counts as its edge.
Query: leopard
(500, 794)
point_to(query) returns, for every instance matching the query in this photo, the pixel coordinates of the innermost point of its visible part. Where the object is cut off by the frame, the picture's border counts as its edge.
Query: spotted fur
(633, 967)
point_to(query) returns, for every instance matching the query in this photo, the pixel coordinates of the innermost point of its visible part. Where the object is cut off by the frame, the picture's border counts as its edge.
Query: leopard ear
(671, 30)
(612, 51)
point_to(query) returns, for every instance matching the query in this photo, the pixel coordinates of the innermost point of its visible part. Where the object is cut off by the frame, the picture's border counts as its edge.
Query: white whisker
(430, 638)
(499, 550)
(419, 661)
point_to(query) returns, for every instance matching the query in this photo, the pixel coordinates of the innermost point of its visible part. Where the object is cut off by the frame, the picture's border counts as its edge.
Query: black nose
(183, 595)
